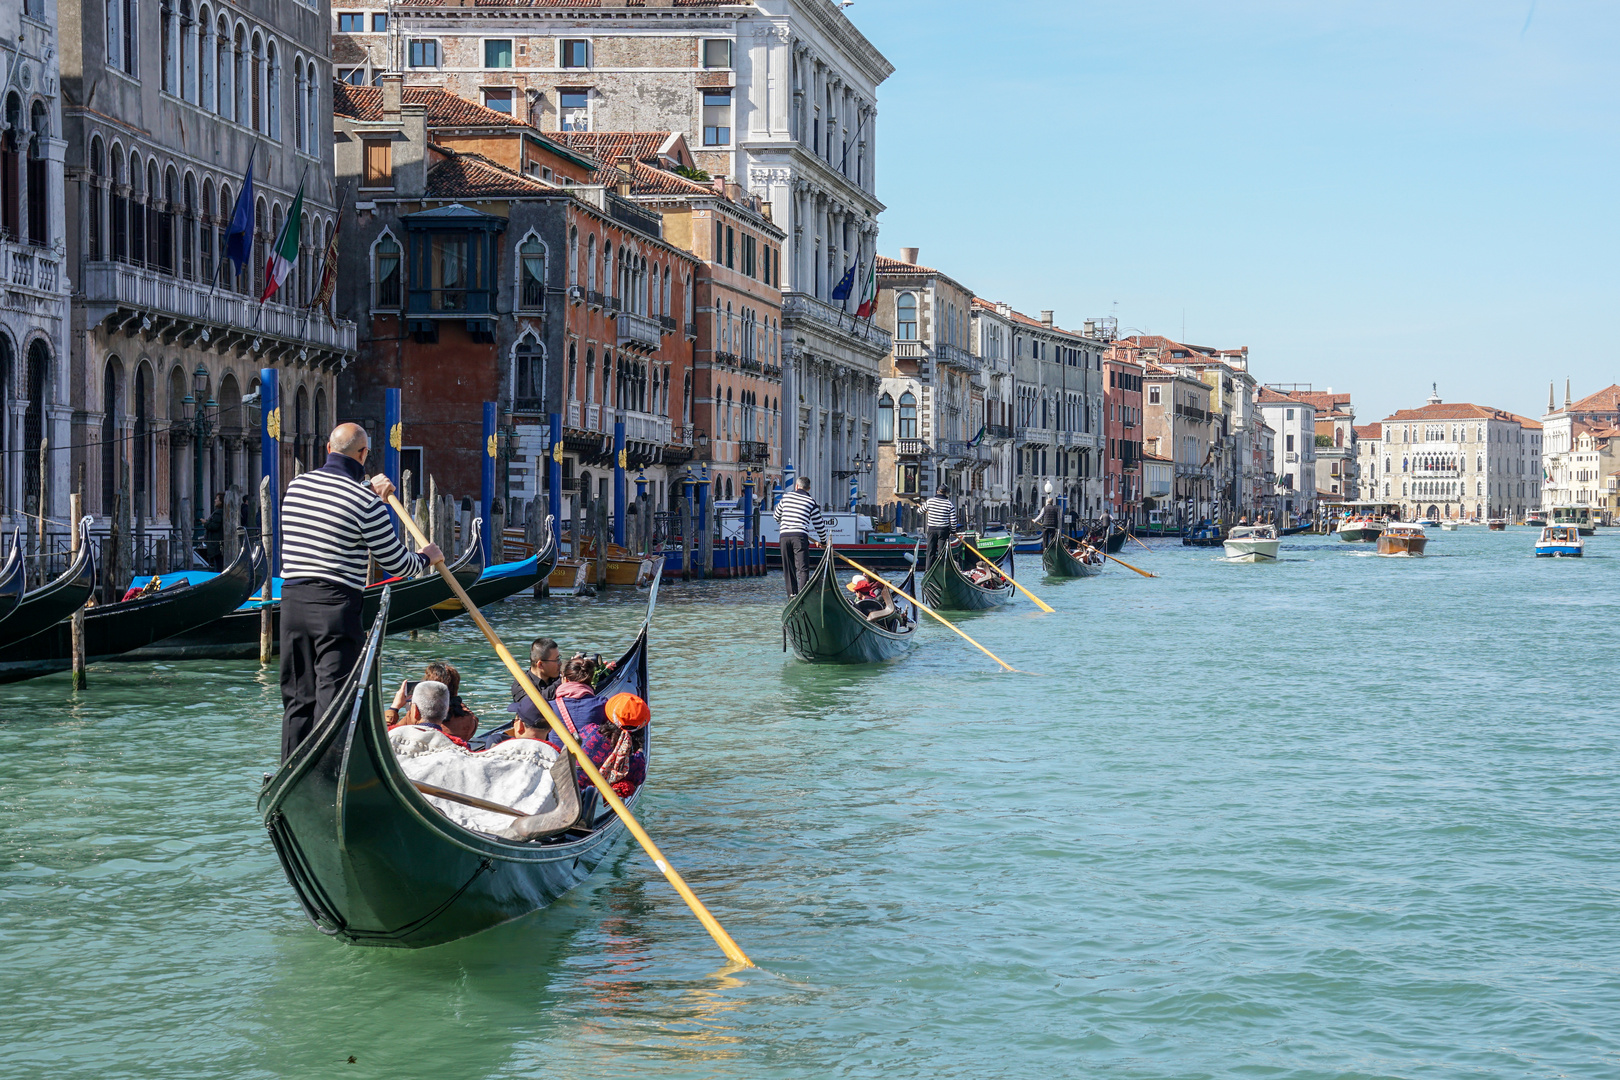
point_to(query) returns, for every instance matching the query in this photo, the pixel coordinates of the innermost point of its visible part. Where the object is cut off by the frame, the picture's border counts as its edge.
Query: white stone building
(1058, 414)
(1460, 461)
(1294, 422)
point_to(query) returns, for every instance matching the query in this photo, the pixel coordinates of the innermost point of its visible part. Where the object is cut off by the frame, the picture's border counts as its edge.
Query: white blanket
(513, 773)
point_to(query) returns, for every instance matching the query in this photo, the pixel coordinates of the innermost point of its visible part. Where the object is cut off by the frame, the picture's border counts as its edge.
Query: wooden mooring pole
(76, 512)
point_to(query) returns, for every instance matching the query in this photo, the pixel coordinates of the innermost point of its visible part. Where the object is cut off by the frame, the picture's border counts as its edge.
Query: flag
(323, 294)
(979, 438)
(239, 234)
(869, 294)
(845, 283)
(284, 255)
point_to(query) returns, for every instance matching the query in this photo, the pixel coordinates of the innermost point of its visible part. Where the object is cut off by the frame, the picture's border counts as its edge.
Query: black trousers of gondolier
(795, 561)
(939, 541)
(1048, 534)
(321, 638)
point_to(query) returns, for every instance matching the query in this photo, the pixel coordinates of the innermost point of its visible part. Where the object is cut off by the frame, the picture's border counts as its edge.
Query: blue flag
(239, 236)
(845, 283)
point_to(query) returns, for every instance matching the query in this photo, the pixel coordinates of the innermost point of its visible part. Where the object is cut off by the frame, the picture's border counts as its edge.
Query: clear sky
(1371, 196)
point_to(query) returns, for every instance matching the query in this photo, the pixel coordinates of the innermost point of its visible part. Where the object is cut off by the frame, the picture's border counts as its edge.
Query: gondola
(1116, 540)
(113, 630)
(54, 601)
(12, 580)
(235, 636)
(823, 625)
(496, 583)
(372, 861)
(947, 588)
(1060, 562)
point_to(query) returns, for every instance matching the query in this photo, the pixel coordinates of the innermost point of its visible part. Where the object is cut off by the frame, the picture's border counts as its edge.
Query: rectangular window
(424, 54)
(1153, 395)
(573, 110)
(716, 117)
(749, 257)
(379, 22)
(498, 53)
(352, 76)
(575, 54)
(908, 480)
(379, 155)
(717, 53)
(1290, 440)
(499, 100)
(731, 248)
(351, 22)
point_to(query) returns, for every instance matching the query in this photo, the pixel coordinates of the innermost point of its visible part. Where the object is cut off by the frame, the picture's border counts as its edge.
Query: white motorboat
(1449, 526)
(1252, 543)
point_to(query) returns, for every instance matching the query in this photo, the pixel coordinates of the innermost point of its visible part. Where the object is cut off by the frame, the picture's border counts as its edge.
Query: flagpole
(220, 260)
(292, 219)
(309, 309)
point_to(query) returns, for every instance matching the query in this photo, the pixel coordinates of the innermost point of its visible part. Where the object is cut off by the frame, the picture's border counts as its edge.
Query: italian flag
(284, 256)
(868, 294)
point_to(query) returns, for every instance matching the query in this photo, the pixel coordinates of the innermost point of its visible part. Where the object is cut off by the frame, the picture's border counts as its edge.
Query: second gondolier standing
(796, 514)
(331, 521)
(939, 516)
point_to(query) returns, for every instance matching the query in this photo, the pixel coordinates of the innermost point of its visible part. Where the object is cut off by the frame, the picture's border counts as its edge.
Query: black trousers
(939, 539)
(320, 643)
(795, 561)
(1048, 534)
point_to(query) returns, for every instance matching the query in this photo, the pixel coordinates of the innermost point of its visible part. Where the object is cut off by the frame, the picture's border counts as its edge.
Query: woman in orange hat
(611, 744)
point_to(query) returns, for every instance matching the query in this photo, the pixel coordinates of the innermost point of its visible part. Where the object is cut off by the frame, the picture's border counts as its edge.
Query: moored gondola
(374, 863)
(824, 626)
(1061, 562)
(12, 579)
(495, 583)
(112, 630)
(44, 607)
(945, 586)
(235, 636)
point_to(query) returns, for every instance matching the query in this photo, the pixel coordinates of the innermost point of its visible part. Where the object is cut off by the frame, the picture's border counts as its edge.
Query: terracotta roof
(1605, 400)
(886, 265)
(1268, 396)
(1456, 411)
(608, 147)
(1370, 432)
(444, 109)
(473, 176)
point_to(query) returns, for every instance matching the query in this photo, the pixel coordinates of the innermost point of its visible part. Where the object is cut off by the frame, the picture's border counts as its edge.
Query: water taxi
(1449, 526)
(1560, 541)
(1252, 543)
(1426, 522)
(1360, 530)
(1536, 521)
(1402, 538)
(1496, 525)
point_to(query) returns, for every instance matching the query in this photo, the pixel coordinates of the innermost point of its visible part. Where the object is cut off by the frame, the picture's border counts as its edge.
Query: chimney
(1046, 318)
(627, 166)
(393, 89)
(719, 183)
(908, 255)
(733, 191)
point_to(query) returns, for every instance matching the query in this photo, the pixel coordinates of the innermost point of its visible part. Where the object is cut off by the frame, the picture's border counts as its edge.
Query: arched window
(188, 52)
(272, 126)
(112, 378)
(301, 428)
(531, 274)
(137, 213)
(165, 222)
(225, 65)
(528, 375)
(188, 230)
(254, 276)
(885, 418)
(323, 422)
(905, 317)
(36, 391)
(242, 57)
(39, 219)
(256, 75)
(207, 57)
(590, 263)
(298, 102)
(312, 90)
(908, 415)
(385, 271)
(590, 376)
(98, 187)
(10, 181)
(573, 371)
(169, 45)
(573, 255)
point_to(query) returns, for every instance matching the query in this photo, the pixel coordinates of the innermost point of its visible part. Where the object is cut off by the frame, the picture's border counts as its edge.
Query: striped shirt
(797, 512)
(939, 513)
(330, 522)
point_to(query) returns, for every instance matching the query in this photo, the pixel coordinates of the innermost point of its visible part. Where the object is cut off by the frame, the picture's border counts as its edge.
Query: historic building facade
(1460, 461)
(1058, 378)
(1179, 427)
(1123, 459)
(1566, 463)
(778, 96)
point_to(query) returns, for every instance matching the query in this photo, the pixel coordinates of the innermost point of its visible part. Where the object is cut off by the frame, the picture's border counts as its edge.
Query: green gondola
(374, 863)
(1061, 562)
(824, 626)
(947, 588)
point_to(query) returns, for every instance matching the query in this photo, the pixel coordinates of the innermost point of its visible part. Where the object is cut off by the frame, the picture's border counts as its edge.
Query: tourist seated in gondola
(545, 670)
(602, 729)
(462, 722)
(982, 576)
(427, 704)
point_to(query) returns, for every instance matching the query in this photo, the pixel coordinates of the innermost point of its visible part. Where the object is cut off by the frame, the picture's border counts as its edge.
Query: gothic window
(908, 415)
(273, 88)
(528, 376)
(905, 313)
(385, 273)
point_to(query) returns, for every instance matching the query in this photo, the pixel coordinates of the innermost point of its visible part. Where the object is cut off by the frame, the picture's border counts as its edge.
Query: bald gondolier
(796, 514)
(332, 520)
(939, 517)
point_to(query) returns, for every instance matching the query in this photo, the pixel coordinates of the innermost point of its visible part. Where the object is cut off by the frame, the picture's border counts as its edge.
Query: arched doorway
(39, 369)
(141, 478)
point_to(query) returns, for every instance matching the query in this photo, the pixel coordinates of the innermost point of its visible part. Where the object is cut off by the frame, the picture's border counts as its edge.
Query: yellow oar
(710, 923)
(1121, 562)
(924, 607)
(1133, 537)
(1038, 601)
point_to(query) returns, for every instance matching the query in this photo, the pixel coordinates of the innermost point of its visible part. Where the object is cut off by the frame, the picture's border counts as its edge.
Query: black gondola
(1059, 561)
(12, 580)
(494, 583)
(946, 587)
(1116, 540)
(54, 601)
(236, 635)
(112, 630)
(372, 861)
(823, 625)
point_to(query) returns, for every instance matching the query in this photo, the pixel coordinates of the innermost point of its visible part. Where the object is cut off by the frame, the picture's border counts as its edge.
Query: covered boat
(1252, 543)
(1360, 530)
(44, 607)
(1557, 542)
(1403, 538)
(824, 625)
(1059, 560)
(235, 635)
(375, 863)
(947, 587)
(114, 630)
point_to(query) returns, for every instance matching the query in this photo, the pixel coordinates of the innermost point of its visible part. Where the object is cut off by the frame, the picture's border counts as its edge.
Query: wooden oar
(924, 607)
(710, 923)
(1121, 562)
(1038, 601)
(1133, 537)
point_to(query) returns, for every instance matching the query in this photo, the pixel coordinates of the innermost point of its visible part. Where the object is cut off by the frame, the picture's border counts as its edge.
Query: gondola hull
(1060, 562)
(12, 581)
(494, 584)
(113, 631)
(373, 863)
(822, 625)
(49, 604)
(946, 588)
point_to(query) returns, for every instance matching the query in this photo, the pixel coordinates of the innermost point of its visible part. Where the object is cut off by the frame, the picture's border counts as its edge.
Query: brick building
(1123, 429)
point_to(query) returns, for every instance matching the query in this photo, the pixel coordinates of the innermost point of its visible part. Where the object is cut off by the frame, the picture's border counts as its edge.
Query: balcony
(529, 406)
(593, 417)
(725, 359)
(957, 357)
(998, 431)
(833, 321)
(573, 415)
(639, 332)
(1027, 434)
(691, 330)
(593, 298)
(645, 427)
(772, 371)
(666, 323)
(911, 350)
(610, 303)
(754, 451)
(1196, 415)
(751, 365)
(910, 448)
(160, 306)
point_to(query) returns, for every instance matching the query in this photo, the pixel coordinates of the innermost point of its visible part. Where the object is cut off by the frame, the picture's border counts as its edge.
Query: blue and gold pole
(747, 508)
(270, 463)
(486, 487)
(393, 428)
(620, 459)
(554, 471)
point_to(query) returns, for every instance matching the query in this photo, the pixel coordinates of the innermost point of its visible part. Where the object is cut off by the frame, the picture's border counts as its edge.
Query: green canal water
(1339, 816)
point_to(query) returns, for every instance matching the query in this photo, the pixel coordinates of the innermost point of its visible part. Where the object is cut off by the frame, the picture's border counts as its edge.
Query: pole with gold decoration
(620, 460)
(393, 428)
(269, 502)
(486, 493)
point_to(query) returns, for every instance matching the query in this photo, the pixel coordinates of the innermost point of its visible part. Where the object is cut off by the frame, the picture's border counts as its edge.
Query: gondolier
(332, 520)
(796, 515)
(939, 518)
(1048, 521)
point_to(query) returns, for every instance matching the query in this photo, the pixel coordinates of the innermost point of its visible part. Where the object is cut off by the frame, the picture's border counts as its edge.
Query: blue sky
(1371, 196)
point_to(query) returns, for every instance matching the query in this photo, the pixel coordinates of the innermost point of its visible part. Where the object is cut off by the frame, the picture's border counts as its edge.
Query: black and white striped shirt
(330, 522)
(797, 512)
(939, 513)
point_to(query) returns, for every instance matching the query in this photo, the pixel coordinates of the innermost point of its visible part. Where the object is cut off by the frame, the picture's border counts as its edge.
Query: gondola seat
(520, 773)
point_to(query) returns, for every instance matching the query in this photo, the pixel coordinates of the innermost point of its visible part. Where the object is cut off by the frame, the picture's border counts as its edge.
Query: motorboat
(1427, 523)
(1449, 526)
(1560, 542)
(1360, 530)
(1252, 543)
(1496, 524)
(1403, 538)
(1536, 521)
